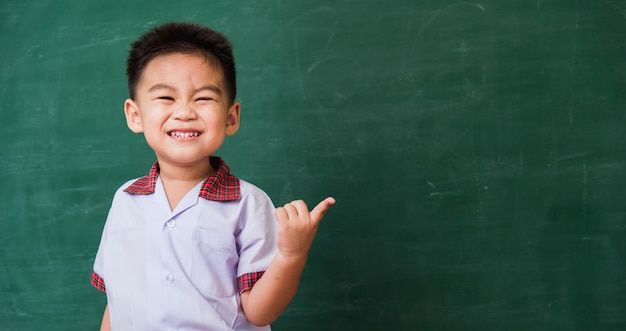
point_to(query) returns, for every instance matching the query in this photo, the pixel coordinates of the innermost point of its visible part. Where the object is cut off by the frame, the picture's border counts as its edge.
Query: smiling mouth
(180, 134)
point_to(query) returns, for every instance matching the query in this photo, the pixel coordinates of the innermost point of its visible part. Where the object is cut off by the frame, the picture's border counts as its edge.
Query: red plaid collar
(220, 186)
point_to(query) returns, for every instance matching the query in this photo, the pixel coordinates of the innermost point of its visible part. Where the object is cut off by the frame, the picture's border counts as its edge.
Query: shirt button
(171, 224)
(170, 279)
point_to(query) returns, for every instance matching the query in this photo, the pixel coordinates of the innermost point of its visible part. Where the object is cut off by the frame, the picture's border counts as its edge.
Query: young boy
(189, 246)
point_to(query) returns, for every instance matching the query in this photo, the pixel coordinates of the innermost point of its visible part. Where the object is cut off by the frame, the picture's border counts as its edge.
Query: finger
(301, 207)
(281, 214)
(318, 212)
(292, 211)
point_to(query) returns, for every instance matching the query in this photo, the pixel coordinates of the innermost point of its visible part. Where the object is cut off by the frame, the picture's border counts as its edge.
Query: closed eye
(166, 98)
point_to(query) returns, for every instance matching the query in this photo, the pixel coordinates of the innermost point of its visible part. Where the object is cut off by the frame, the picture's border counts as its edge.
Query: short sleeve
(97, 279)
(98, 274)
(257, 235)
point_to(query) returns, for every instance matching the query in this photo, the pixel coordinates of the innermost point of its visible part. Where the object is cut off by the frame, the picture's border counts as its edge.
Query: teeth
(184, 134)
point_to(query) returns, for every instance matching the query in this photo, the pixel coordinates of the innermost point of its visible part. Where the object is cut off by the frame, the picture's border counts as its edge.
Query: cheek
(215, 120)
(154, 118)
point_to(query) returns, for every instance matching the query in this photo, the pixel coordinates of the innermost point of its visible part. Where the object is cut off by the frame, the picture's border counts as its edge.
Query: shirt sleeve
(257, 236)
(96, 275)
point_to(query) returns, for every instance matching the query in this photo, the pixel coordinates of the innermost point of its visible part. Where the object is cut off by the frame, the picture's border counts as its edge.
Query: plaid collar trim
(220, 186)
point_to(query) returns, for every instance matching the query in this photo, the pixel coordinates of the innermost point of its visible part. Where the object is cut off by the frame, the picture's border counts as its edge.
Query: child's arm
(106, 321)
(272, 293)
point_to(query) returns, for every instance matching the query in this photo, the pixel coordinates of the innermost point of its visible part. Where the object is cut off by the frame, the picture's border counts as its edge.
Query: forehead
(182, 68)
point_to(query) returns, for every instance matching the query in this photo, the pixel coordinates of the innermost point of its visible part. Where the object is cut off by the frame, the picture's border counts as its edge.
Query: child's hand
(297, 227)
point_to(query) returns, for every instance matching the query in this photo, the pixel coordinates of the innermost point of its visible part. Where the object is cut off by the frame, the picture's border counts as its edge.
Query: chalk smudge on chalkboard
(444, 9)
(621, 11)
(574, 156)
(440, 194)
(303, 27)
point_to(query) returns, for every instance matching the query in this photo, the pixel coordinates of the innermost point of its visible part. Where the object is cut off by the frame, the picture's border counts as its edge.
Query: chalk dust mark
(350, 63)
(435, 193)
(616, 7)
(297, 23)
(573, 156)
(538, 4)
(318, 62)
(438, 13)
(106, 42)
(442, 194)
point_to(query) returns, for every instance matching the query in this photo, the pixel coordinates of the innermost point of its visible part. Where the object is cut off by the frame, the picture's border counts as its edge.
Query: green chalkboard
(477, 151)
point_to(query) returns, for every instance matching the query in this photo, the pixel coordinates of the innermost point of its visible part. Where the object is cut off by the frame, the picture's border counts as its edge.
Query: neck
(178, 180)
(185, 173)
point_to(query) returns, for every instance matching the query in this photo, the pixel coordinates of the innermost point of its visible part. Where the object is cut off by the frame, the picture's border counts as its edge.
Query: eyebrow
(208, 87)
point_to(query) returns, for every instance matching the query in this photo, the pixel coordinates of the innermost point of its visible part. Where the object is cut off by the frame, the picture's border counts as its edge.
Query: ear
(133, 118)
(232, 119)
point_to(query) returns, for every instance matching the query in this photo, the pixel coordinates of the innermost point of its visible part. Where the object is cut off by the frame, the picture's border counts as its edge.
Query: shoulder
(251, 191)
(248, 188)
(253, 196)
(121, 196)
(124, 212)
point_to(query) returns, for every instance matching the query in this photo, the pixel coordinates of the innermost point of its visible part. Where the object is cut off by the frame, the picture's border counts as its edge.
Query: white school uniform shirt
(184, 269)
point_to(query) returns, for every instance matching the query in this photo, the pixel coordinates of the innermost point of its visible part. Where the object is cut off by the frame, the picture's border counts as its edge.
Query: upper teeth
(184, 134)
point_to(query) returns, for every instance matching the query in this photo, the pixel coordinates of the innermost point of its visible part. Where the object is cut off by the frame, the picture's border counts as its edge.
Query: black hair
(190, 38)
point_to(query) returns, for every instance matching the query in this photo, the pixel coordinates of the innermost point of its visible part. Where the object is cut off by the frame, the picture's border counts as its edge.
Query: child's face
(182, 108)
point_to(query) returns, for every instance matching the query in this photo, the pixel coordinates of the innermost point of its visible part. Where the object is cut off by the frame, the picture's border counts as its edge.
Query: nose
(184, 112)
